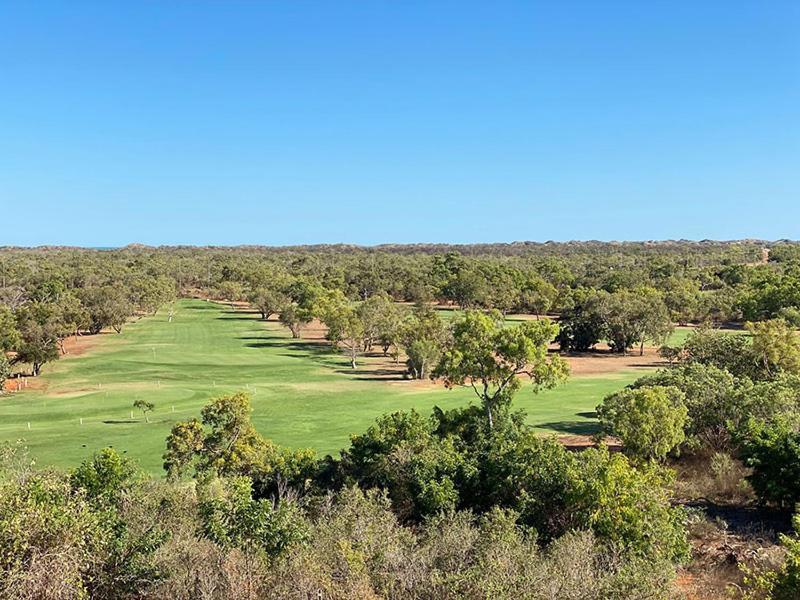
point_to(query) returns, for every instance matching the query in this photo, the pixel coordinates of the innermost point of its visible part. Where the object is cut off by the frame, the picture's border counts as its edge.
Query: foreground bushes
(440, 507)
(138, 539)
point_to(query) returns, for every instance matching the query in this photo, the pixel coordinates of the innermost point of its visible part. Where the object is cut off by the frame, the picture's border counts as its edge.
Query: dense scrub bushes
(741, 396)
(123, 536)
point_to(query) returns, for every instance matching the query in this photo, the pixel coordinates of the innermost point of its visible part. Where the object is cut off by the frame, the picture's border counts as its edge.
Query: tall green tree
(39, 330)
(491, 359)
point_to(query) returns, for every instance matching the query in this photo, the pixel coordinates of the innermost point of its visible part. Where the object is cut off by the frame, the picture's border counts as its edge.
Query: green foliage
(5, 371)
(268, 301)
(490, 358)
(773, 452)
(144, 406)
(231, 517)
(39, 329)
(711, 398)
(105, 476)
(582, 323)
(776, 346)
(107, 306)
(649, 421)
(552, 490)
(624, 318)
(630, 508)
(227, 444)
(346, 326)
(184, 445)
(232, 446)
(422, 335)
(401, 454)
(295, 318)
(727, 351)
(79, 536)
(9, 336)
(719, 404)
(45, 528)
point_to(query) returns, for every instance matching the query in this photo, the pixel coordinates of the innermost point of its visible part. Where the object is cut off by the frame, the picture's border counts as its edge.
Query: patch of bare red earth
(73, 346)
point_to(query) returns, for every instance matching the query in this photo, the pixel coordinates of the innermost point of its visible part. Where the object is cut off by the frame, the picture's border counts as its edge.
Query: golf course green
(304, 394)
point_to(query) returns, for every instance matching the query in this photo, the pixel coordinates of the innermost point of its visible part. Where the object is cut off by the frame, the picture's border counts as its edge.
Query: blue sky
(366, 122)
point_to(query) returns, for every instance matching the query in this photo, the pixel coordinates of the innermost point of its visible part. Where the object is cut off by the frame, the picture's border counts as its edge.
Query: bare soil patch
(375, 366)
(600, 362)
(582, 442)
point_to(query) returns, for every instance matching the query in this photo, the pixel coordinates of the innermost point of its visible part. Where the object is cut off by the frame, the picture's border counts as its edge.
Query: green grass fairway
(303, 393)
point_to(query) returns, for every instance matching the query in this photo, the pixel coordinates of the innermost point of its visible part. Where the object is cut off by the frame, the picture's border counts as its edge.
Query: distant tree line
(623, 294)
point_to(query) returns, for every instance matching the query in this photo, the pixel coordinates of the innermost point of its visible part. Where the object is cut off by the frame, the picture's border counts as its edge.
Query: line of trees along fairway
(624, 294)
(42, 309)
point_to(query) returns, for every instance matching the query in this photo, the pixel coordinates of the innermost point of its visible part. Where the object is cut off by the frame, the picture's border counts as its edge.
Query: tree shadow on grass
(238, 317)
(361, 374)
(209, 306)
(134, 421)
(572, 427)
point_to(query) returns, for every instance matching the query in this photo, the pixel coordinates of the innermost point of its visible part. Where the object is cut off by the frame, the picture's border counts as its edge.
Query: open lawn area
(304, 394)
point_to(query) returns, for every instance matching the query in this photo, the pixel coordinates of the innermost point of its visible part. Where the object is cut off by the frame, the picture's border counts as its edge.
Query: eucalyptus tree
(492, 359)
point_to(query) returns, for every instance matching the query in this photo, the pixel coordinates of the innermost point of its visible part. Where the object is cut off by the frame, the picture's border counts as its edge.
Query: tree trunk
(489, 414)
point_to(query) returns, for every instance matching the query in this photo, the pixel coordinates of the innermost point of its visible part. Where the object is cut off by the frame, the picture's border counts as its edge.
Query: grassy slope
(304, 395)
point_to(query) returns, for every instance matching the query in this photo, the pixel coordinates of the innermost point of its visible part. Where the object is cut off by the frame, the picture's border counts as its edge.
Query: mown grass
(303, 393)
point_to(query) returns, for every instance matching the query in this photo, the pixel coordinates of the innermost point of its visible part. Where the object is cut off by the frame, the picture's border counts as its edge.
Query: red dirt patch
(601, 362)
(378, 367)
(77, 345)
(72, 346)
(581, 442)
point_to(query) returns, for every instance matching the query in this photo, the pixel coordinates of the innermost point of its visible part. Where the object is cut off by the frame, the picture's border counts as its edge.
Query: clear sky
(269, 122)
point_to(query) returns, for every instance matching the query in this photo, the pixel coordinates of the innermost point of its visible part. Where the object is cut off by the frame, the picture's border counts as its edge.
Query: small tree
(381, 319)
(107, 306)
(267, 301)
(649, 421)
(671, 354)
(345, 325)
(39, 328)
(145, 407)
(295, 318)
(491, 358)
(5, 371)
(184, 443)
(422, 335)
(776, 346)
